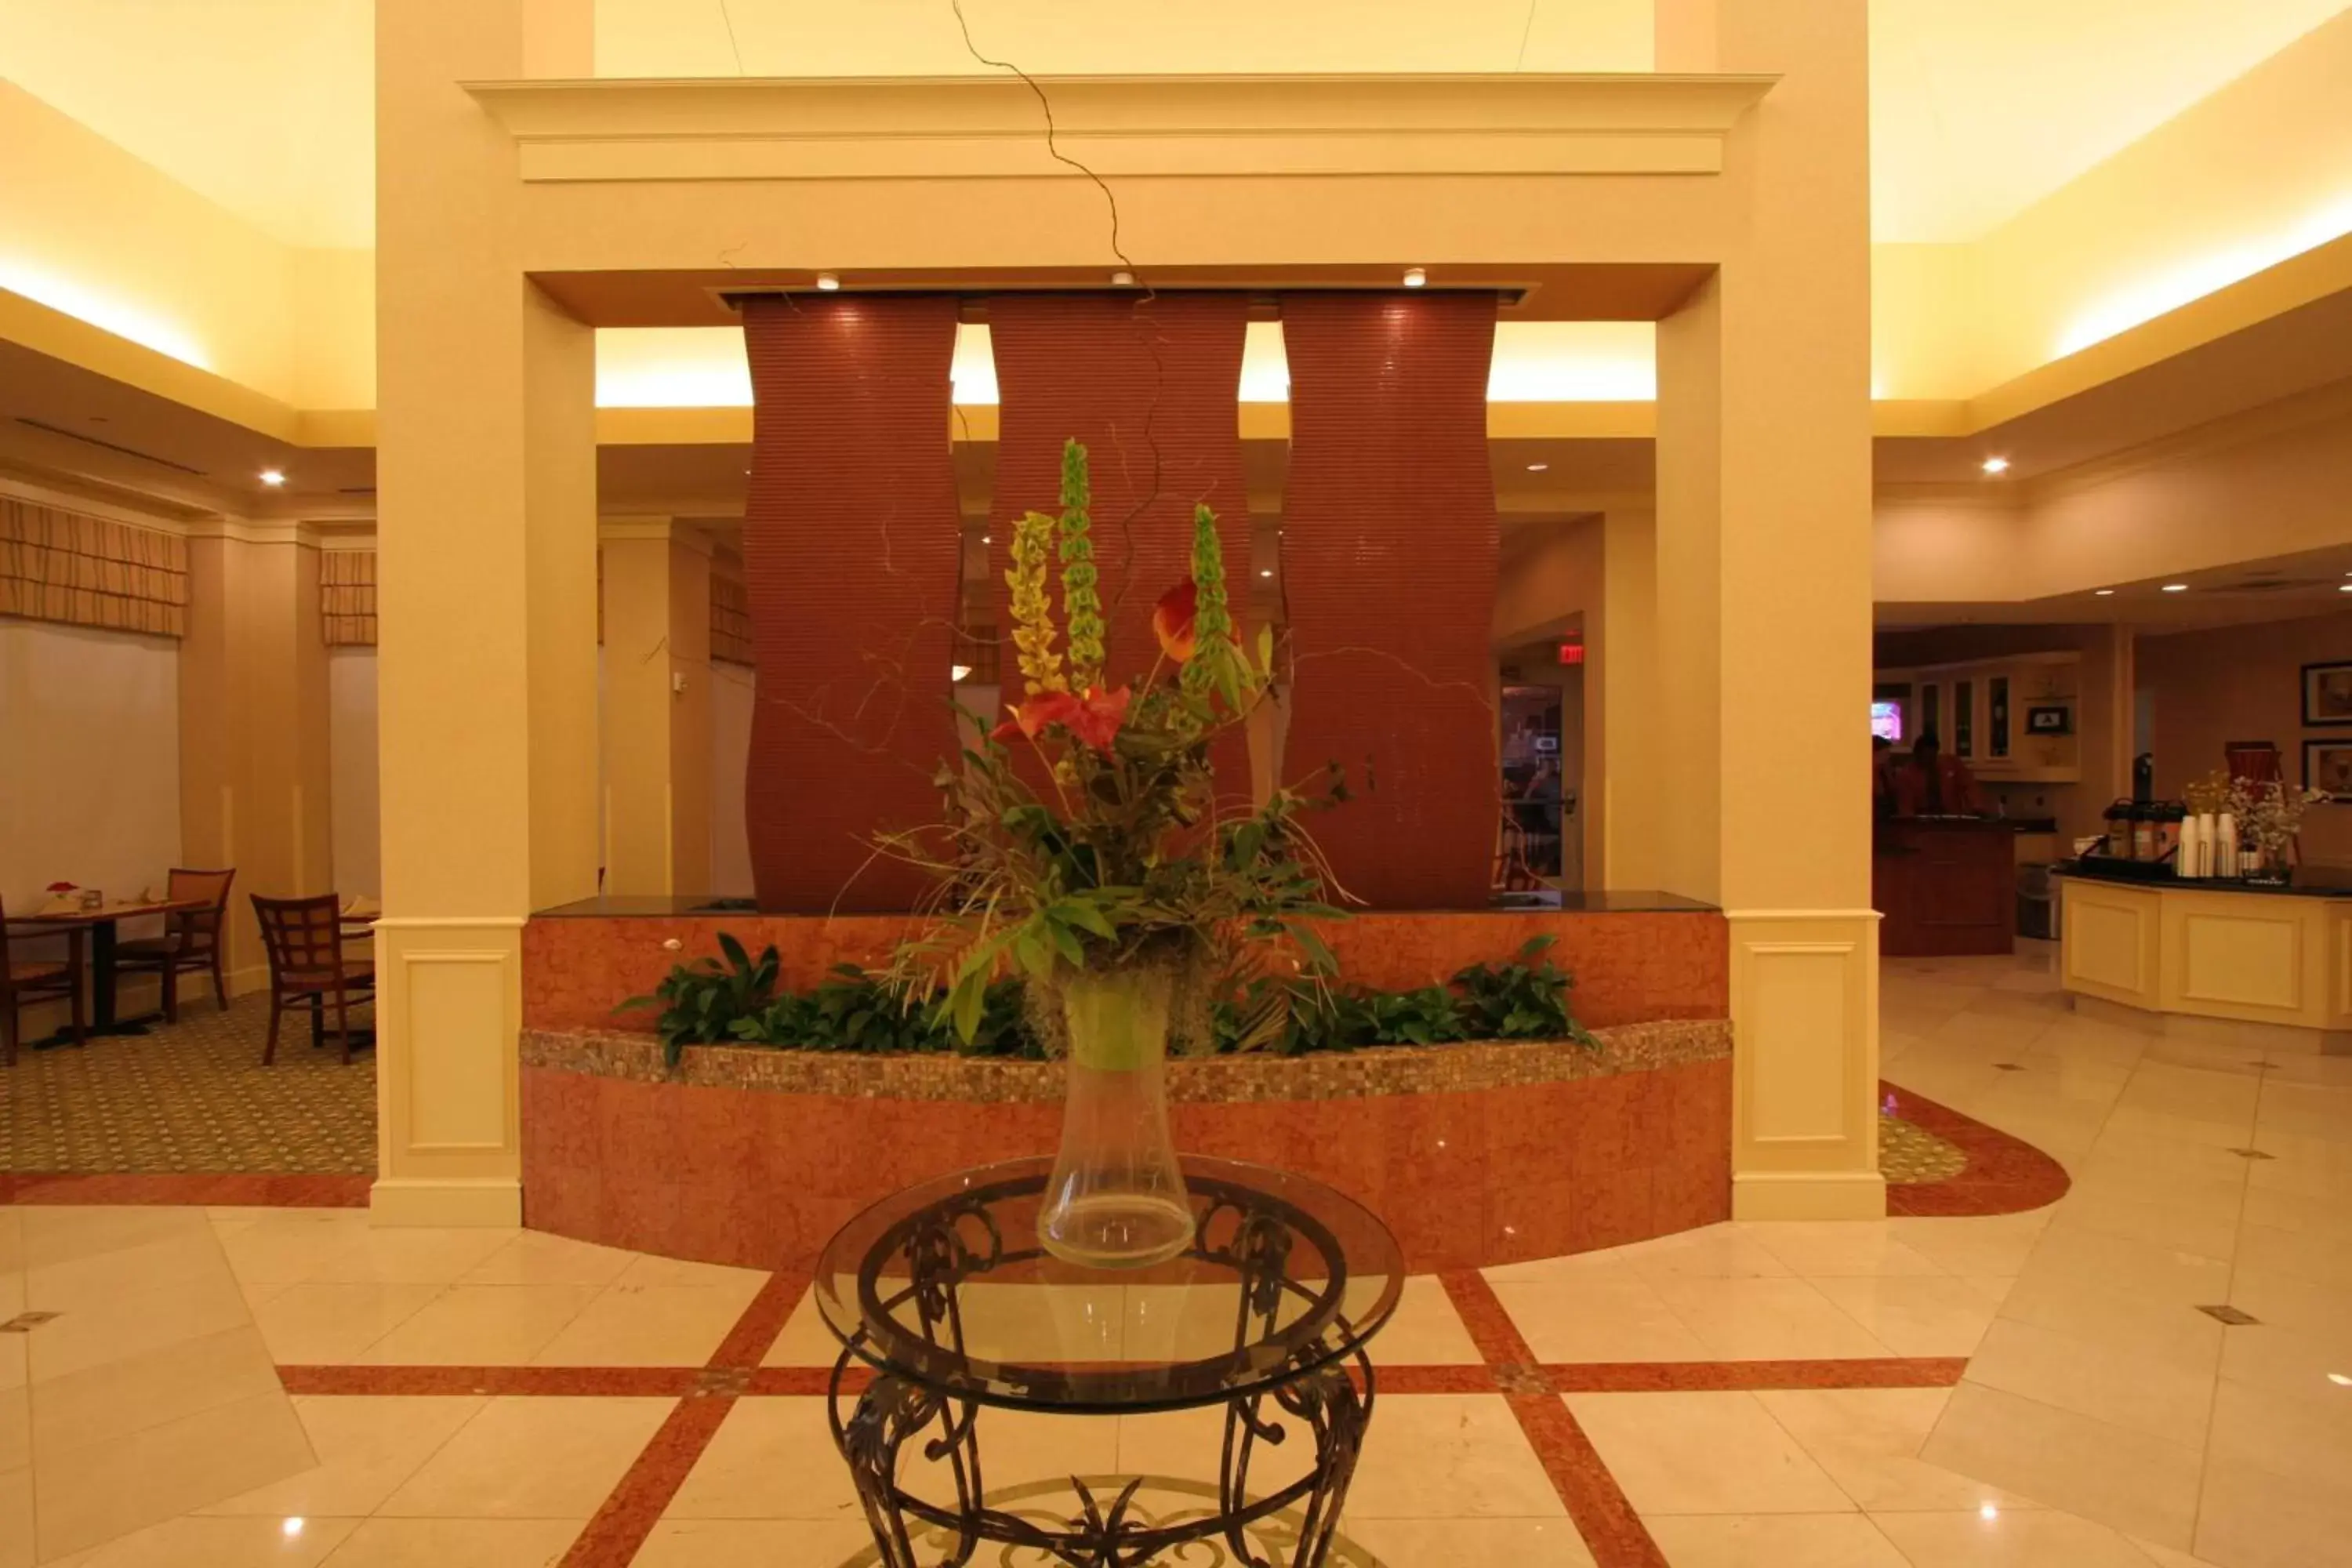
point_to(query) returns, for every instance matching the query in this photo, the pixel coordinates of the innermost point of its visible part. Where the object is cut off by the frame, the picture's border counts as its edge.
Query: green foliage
(736, 1003)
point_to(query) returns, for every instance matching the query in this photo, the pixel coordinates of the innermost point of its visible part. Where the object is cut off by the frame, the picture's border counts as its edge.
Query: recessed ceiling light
(1266, 571)
(272, 476)
(1538, 467)
(1415, 276)
(2102, 592)
(2344, 588)
(1995, 465)
(827, 282)
(1987, 1510)
(2339, 1380)
(1122, 280)
(988, 539)
(290, 1526)
(2176, 587)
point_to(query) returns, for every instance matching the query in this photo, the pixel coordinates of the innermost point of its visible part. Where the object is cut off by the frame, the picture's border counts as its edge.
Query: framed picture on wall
(2327, 693)
(2328, 765)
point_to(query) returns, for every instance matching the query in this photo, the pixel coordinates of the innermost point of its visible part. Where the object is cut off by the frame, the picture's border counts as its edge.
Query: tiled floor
(2026, 1389)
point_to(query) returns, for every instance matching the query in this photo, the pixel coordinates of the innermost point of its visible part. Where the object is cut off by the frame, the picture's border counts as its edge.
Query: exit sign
(1571, 653)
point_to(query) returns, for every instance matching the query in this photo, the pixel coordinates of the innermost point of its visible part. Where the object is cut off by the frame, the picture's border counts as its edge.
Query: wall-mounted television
(1887, 721)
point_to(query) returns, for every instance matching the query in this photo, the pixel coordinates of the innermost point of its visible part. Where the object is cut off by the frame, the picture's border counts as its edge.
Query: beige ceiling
(1979, 107)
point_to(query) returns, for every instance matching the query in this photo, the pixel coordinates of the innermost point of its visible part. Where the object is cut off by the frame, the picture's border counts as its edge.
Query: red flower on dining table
(1093, 719)
(62, 887)
(1172, 620)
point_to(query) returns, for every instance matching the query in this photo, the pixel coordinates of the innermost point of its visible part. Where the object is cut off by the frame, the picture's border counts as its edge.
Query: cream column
(486, 601)
(1623, 760)
(252, 725)
(1764, 602)
(656, 707)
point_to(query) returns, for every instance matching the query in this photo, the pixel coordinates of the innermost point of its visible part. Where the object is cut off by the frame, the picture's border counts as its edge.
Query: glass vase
(1117, 1198)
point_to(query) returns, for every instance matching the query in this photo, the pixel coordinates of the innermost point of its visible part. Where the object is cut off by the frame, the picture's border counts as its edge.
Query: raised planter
(1476, 1154)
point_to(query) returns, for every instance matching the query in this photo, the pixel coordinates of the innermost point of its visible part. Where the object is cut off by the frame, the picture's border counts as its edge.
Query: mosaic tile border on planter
(1336, 1075)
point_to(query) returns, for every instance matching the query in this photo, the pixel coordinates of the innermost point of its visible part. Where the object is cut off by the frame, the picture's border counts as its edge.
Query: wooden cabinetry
(2011, 720)
(1944, 886)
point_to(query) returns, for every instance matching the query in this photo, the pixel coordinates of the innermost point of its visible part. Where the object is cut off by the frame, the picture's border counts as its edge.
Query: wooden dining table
(100, 923)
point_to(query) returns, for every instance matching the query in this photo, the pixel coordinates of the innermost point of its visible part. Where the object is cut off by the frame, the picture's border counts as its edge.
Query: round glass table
(943, 1291)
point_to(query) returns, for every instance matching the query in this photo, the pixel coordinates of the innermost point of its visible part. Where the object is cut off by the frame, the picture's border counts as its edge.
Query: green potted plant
(1085, 846)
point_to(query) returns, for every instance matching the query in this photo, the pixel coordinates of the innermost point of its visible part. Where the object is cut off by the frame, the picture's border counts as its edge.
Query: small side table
(943, 1290)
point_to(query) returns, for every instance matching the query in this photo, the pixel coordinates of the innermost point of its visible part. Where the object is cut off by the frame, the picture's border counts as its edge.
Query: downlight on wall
(827, 282)
(1995, 465)
(1415, 277)
(2176, 587)
(272, 477)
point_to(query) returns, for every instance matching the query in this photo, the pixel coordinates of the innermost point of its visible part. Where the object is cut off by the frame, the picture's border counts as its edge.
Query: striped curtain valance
(731, 611)
(347, 597)
(58, 565)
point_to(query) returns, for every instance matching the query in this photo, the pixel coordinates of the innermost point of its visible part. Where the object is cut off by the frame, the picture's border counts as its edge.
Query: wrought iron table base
(1326, 1403)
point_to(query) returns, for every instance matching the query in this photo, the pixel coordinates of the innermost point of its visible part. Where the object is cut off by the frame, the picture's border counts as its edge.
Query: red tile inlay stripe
(1714, 1376)
(611, 1538)
(1602, 1514)
(761, 1321)
(625, 1381)
(243, 1189)
(2004, 1174)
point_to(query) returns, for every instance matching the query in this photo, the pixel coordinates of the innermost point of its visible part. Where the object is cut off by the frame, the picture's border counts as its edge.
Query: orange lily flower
(1172, 620)
(1093, 719)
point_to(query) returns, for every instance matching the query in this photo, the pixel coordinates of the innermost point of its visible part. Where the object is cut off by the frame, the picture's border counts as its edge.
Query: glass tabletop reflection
(945, 1284)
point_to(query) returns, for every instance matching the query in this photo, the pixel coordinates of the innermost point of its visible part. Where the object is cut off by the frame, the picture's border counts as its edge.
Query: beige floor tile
(1868, 1440)
(1917, 1315)
(54, 1233)
(188, 1255)
(1840, 1249)
(2303, 1435)
(2322, 1259)
(805, 1341)
(16, 1518)
(2119, 1266)
(366, 1447)
(1185, 1444)
(755, 1543)
(2165, 1557)
(2167, 1224)
(2287, 1361)
(2054, 1294)
(645, 1272)
(1434, 1455)
(531, 1458)
(2123, 1478)
(81, 1501)
(1600, 1316)
(770, 1460)
(1993, 1245)
(655, 1325)
(1069, 1323)
(1652, 1443)
(1774, 1540)
(295, 1541)
(2251, 1518)
(2168, 1396)
(1765, 1319)
(1019, 1447)
(134, 1323)
(537, 1257)
(1712, 1252)
(484, 1325)
(1457, 1542)
(314, 1323)
(353, 1252)
(121, 1396)
(457, 1544)
(2282, 1211)
(1425, 1329)
(2036, 1538)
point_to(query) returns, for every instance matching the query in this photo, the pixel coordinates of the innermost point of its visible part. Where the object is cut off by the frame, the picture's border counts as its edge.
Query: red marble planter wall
(1629, 967)
(1466, 1180)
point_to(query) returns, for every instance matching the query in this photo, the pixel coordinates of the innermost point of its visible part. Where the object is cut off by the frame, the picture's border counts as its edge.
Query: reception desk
(2181, 952)
(1944, 885)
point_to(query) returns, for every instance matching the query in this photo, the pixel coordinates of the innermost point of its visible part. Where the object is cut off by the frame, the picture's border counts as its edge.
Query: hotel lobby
(964, 781)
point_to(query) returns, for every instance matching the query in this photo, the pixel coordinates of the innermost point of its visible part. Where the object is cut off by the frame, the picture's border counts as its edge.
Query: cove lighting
(827, 282)
(1415, 276)
(120, 317)
(272, 477)
(1995, 465)
(1538, 467)
(2176, 587)
(2152, 296)
(1122, 280)
(2102, 592)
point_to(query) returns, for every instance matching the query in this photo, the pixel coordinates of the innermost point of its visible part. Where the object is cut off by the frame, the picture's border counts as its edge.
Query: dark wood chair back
(303, 936)
(199, 930)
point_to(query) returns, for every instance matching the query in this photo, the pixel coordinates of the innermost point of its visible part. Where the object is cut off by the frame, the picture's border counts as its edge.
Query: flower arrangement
(2270, 816)
(1086, 836)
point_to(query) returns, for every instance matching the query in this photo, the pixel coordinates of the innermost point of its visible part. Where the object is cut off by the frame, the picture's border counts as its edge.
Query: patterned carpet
(192, 1097)
(1909, 1153)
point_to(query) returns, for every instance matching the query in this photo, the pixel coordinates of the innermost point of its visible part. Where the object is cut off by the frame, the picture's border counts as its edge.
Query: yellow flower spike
(1032, 609)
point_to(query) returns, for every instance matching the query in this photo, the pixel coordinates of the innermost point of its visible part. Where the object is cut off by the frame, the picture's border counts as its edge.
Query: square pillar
(1624, 771)
(487, 603)
(656, 707)
(254, 770)
(1764, 602)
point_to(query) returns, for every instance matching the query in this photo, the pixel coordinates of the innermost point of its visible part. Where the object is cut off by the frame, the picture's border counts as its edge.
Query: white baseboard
(471, 1202)
(1809, 1194)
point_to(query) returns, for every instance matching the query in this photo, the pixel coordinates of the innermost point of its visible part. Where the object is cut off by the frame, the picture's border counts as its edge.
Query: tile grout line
(611, 1537)
(1596, 1506)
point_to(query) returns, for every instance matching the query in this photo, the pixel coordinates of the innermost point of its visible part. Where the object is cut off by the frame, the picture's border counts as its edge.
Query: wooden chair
(190, 939)
(304, 937)
(21, 984)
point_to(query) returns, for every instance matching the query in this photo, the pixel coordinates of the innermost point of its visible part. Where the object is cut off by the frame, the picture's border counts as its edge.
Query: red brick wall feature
(851, 554)
(1389, 562)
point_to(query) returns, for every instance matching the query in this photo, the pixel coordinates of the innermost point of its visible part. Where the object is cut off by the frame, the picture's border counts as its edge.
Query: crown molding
(257, 530)
(982, 127)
